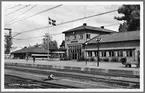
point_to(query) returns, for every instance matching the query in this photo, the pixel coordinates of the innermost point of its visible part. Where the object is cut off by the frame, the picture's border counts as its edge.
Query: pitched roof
(115, 37)
(89, 28)
(31, 49)
(35, 50)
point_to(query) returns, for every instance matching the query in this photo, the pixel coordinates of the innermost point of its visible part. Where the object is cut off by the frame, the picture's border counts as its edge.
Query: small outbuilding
(38, 52)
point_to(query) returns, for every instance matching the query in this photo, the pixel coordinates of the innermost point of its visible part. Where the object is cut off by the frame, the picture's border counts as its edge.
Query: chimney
(102, 27)
(85, 24)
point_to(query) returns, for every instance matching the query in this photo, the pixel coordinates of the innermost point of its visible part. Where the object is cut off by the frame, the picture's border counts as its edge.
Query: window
(120, 53)
(111, 53)
(88, 36)
(81, 36)
(89, 53)
(103, 53)
(129, 53)
(100, 54)
(95, 53)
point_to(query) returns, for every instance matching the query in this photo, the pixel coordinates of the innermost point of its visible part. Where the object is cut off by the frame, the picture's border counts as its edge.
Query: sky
(61, 14)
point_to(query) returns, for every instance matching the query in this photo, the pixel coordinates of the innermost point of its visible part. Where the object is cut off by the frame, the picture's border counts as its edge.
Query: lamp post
(84, 25)
(86, 52)
(98, 39)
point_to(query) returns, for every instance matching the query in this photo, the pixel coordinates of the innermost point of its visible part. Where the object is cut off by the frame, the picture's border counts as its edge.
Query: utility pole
(9, 38)
(10, 31)
(48, 47)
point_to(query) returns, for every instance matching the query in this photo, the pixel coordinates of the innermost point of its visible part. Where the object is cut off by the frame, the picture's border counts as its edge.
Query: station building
(112, 44)
(76, 37)
(37, 52)
(115, 46)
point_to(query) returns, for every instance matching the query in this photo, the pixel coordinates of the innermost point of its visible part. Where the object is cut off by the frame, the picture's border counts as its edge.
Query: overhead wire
(13, 7)
(35, 29)
(34, 37)
(61, 24)
(17, 10)
(21, 14)
(64, 23)
(61, 33)
(37, 14)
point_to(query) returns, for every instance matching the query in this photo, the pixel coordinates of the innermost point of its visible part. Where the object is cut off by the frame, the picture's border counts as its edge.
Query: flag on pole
(51, 22)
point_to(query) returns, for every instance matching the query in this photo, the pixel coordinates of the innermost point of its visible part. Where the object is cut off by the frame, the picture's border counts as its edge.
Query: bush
(114, 60)
(87, 59)
(81, 59)
(64, 58)
(92, 59)
(106, 59)
(123, 60)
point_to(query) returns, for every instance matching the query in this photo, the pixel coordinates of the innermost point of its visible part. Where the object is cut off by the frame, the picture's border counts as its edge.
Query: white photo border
(74, 90)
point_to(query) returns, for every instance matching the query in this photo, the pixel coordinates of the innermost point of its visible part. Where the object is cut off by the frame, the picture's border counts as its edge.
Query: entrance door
(74, 51)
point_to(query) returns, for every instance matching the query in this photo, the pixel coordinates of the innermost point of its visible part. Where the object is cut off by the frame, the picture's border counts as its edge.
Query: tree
(62, 44)
(47, 40)
(54, 44)
(131, 17)
(123, 27)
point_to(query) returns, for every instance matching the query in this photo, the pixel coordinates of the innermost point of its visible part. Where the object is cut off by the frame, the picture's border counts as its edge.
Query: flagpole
(48, 37)
(53, 23)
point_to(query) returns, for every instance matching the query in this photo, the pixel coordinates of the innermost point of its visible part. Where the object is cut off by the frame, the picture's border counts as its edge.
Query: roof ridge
(93, 28)
(118, 33)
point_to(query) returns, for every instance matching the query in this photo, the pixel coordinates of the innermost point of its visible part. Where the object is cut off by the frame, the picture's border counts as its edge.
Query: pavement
(74, 63)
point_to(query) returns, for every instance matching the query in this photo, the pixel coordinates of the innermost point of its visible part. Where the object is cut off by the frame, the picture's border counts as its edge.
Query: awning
(113, 48)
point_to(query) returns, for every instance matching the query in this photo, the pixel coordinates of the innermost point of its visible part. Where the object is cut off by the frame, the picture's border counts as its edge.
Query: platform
(104, 67)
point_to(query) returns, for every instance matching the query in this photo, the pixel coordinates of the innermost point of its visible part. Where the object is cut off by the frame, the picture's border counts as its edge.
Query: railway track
(18, 82)
(110, 82)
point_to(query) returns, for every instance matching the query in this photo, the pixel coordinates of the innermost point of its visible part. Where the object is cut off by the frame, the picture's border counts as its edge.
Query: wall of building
(78, 41)
(71, 37)
(92, 35)
(123, 48)
(70, 41)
